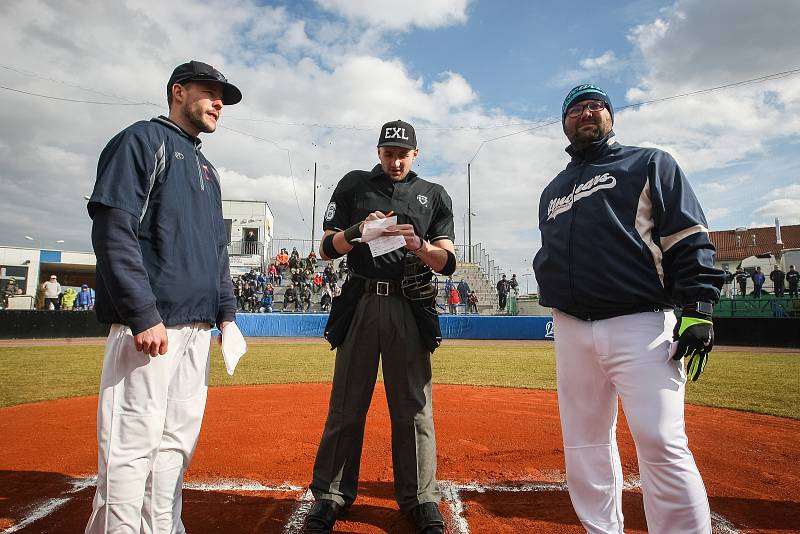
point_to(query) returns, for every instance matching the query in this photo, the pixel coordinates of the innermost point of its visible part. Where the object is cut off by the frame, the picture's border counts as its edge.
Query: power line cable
(146, 103)
(62, 99)
(740, 83)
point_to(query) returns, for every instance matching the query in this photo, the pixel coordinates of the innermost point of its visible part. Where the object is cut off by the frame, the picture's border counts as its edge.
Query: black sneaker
(427, 519)
(322, 517)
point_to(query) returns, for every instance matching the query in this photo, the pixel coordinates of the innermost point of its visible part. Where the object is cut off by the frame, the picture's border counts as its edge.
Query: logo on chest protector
(559, 205)
(422, 200)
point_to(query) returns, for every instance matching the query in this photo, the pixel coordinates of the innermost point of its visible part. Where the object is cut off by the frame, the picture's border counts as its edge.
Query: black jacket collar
(172, 124)
(596, 150)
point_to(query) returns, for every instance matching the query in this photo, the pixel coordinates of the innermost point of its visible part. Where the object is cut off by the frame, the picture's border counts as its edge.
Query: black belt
(383, 288)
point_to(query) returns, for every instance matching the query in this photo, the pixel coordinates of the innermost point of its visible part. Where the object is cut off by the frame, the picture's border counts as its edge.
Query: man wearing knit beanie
(624, 241)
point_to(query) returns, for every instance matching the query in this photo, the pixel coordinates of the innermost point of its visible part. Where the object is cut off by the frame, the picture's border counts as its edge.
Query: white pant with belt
(148, 421)
(626, 357)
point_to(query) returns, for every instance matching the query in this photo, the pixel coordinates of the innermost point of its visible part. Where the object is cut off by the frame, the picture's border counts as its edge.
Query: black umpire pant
(382, 327)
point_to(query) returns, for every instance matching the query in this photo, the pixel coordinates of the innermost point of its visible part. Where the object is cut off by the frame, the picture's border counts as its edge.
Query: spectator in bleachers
(248, 296)
(305, 296)
(238, 287)
(344, 270)
(318, 282)
(503, 287)
(758, 282)
(9, 291)
(85, 299)
(472, 302)
(261, 281)
(513, 284)
(741, 277)
(329, 274)
(727, 282)
(452, 301)
(337, 291)
(52, 293)
(282, 262)
(290, 297)
(463, 291)
(272, 273)
(294, 259)
(326, 298)
(778, 277)
(448, 285)
(266, 302)
(311, 261)
(250, 242)
(68, 299)
(792, 277)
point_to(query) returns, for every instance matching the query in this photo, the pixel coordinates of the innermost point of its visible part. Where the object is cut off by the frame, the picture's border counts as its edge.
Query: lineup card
(381, 244)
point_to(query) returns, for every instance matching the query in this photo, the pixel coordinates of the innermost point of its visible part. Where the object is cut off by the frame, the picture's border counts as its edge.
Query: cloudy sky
(319, 77)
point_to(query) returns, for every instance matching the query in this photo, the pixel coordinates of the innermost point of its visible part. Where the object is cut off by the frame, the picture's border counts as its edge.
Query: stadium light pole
(314, 208)
(469, 211)
(527, 277)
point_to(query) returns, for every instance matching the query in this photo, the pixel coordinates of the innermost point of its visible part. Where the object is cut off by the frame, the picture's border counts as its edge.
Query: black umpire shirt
(415, 201)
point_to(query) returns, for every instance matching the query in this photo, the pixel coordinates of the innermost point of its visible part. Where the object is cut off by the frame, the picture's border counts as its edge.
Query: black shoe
(427, 519)
(322, 517)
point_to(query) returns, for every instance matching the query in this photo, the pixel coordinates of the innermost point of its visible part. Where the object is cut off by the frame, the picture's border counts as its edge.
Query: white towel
(233, 346)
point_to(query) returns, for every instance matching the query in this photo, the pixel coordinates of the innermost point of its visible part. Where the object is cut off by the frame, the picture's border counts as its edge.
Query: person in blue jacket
(163, 281)
(758, 282)
(624, 240)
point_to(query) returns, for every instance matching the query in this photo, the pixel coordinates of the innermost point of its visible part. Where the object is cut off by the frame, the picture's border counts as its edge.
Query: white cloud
(391, 15)
(605, 64)
(295, 70)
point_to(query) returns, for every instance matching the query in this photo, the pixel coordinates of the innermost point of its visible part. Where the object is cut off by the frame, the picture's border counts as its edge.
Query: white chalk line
(451, 492)
(50, 506)
(298, 516)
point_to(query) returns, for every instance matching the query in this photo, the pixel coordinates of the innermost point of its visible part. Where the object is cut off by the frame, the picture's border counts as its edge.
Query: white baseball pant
(148, 421)
(626, 357)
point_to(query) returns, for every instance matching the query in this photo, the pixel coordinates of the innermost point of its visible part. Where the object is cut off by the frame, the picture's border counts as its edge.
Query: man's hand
(221, 328)
(152, 341)
(695, 336)
(413, 241)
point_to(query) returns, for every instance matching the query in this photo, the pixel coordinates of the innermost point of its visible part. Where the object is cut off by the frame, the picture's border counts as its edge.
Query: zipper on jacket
(199, 170)
(574, 211)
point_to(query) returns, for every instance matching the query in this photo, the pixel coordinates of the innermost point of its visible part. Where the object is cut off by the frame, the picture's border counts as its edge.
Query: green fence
(752, 307)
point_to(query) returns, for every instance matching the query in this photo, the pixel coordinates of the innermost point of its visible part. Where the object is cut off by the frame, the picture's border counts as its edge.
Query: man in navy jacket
(163, 281)
(623, 241)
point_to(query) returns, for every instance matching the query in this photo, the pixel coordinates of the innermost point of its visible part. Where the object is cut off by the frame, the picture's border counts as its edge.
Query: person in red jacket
(453, 301)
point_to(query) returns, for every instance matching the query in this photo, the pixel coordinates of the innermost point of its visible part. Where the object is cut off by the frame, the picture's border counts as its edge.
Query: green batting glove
(695, 336)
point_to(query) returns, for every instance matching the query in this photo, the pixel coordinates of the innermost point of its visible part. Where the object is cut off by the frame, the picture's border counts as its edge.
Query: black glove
(695, 336)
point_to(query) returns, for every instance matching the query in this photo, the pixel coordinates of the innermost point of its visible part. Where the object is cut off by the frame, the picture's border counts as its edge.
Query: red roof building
(744, 242)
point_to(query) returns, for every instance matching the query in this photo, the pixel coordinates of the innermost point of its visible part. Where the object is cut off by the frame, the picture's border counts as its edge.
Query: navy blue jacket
(158, 231)
(622, 232)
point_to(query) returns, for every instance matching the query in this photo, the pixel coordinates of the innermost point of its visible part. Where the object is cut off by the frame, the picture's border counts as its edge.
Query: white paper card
(380, 244)
(233, 346)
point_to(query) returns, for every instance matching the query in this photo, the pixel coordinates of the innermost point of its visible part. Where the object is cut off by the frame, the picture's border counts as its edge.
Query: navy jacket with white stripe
(623, 232)
(158, 231)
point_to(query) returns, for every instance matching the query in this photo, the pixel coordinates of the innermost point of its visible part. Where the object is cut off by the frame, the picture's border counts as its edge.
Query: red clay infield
(499, 439)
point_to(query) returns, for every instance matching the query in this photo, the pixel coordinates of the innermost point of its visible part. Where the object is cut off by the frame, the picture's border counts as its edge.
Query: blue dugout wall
(453, 326)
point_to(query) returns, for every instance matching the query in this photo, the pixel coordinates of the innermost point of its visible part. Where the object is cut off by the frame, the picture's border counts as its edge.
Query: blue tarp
(453, 326)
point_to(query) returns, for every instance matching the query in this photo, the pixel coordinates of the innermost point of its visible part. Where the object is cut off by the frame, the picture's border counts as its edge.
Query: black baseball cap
(398, 133)
(199, 71)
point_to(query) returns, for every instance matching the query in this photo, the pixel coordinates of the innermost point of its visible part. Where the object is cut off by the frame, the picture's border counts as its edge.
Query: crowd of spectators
(256, 291)
(51, 295)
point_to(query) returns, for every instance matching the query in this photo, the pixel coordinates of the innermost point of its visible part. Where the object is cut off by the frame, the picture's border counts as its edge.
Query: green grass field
(757, 382)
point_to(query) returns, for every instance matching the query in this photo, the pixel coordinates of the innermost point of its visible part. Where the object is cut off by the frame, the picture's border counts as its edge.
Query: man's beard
(583, 138)
(195, 115)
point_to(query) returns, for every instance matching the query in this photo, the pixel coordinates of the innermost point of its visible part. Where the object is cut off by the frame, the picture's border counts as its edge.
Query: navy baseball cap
(586, 91)
(199, 71)
(398, 133)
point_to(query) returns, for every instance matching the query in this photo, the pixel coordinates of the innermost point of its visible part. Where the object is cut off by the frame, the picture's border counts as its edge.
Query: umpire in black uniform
(386, 310)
